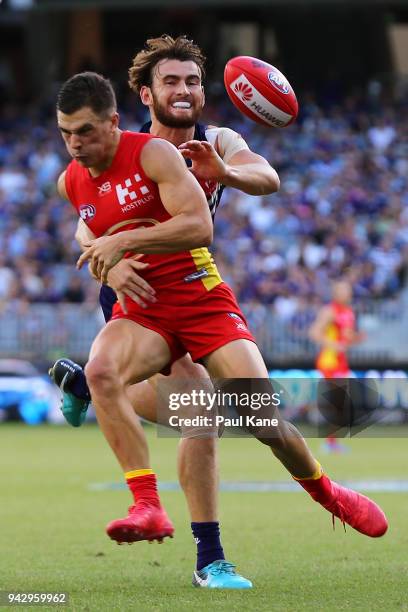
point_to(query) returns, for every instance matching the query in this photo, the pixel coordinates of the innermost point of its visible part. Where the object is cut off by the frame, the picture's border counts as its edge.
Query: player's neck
(174, 135)
(95, 171)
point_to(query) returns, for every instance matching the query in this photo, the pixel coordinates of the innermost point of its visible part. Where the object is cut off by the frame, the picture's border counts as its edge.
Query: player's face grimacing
(88, 137)
(176, 97)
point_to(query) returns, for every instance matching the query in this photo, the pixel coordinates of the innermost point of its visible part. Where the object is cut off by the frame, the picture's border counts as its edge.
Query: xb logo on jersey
(105, 188)
(133, 190)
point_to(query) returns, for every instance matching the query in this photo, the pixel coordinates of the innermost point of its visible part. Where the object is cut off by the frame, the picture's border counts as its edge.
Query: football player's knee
(101, 376)
(186, 368)
(200, 432)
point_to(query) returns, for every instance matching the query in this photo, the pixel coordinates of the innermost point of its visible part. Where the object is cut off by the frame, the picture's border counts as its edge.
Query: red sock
(144, 488)
(320, 488)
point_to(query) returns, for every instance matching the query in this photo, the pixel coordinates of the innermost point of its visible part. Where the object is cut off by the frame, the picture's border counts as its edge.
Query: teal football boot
(74, 408)
(220, 575)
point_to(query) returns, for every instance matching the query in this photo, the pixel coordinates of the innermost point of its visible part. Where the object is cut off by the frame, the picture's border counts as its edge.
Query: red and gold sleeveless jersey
(122, 198)
(339, 330)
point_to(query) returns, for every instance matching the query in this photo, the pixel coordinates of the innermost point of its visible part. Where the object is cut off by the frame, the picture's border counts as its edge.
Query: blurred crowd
(342, 209)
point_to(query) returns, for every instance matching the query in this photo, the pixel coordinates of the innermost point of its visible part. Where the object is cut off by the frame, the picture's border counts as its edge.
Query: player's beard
(171, 121)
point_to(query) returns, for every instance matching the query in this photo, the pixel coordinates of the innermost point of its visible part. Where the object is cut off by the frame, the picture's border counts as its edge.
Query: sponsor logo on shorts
(239, 324)
(260, 106)
(279, 81)
(196, 275)
(87, 211)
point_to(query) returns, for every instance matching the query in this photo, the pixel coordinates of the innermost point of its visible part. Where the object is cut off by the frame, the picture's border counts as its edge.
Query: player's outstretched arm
(230, 161)
(252, 174)
(190, 225)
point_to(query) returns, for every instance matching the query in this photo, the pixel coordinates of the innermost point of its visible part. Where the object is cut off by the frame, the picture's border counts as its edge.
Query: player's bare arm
(61, 189)
(317, 331)
(124, 279)
(355, 337)
(83, 235)
(190, 226)
(246, 170)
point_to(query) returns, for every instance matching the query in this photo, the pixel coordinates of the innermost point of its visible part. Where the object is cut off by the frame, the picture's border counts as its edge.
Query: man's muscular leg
(123, 353)
(197, 459)
(242, 359)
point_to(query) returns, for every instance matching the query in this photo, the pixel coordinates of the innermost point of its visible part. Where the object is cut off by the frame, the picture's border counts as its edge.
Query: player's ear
(115, 120)
(146, 95)
(203, 92)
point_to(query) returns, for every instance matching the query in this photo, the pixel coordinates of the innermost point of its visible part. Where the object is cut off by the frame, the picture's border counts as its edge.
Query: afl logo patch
(87, 211)
(279, 82)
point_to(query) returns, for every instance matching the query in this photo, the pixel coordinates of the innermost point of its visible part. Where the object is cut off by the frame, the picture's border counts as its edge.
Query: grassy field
(52, 530)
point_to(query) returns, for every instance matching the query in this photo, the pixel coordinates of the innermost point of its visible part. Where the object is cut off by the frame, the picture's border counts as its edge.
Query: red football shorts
(199, 326)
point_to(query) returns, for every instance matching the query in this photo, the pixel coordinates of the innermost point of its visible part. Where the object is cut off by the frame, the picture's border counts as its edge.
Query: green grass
(52, 530)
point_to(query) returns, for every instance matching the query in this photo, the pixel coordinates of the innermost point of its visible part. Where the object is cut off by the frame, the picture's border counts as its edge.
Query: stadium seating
(342, 211)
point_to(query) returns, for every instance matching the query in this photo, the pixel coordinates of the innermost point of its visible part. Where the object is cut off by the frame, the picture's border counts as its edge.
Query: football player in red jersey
(334, 330)
(241, 357)
(90, 140)
(176, 103)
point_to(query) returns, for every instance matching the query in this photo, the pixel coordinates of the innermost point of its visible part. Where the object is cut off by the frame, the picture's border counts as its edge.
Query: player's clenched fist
(102, 253)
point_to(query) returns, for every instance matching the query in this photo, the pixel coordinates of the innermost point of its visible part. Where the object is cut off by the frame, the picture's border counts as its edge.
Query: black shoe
(74, 408)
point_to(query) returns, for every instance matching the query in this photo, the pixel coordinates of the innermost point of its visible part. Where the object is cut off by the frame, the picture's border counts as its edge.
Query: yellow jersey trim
(203, 259)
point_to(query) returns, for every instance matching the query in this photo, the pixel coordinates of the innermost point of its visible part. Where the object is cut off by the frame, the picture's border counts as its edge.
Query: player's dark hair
(157, 49)
(87, 89)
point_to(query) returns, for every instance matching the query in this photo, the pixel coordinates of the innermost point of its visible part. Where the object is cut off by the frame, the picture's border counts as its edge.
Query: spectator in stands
(343, 205)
